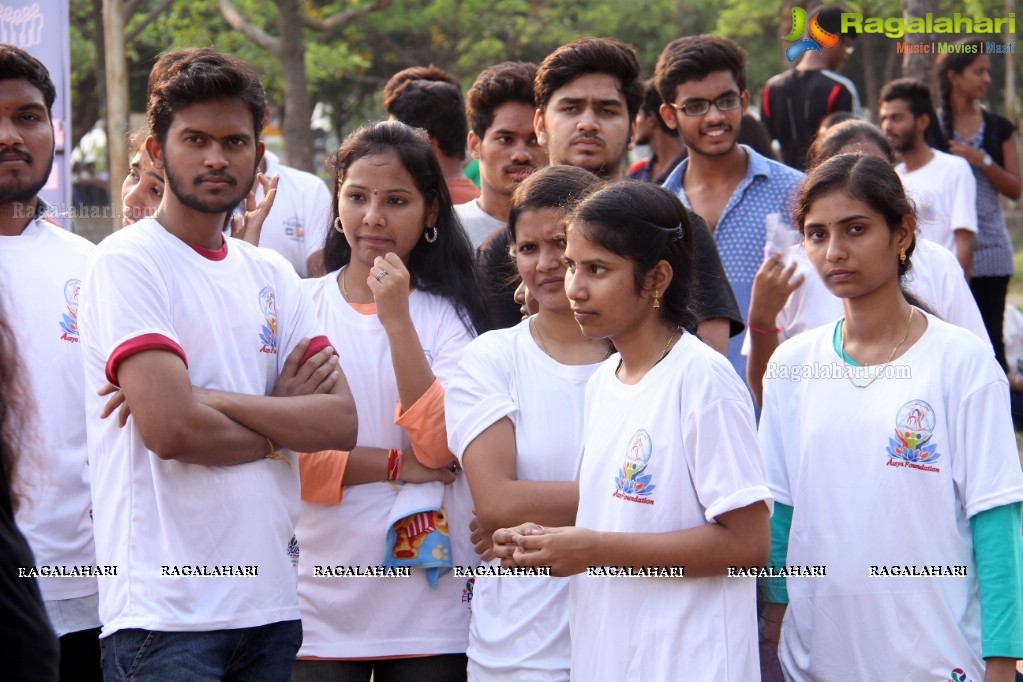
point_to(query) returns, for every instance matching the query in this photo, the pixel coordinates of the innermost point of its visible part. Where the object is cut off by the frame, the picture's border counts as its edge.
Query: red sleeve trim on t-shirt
(835, 92)
(638, 166)
(316, 344)
(765, 103)
(138, 345)
(211, 254)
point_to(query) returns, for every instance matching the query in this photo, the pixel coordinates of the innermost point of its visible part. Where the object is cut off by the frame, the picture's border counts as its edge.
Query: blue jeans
(258, 654)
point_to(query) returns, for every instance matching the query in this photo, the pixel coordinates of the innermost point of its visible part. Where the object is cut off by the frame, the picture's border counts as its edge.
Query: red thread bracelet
(393, 464)
(758, 330)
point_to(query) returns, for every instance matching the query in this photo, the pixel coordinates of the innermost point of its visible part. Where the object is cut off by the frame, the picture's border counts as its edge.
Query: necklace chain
(667, 346)
(344, 289)
(534, 322)
(848, 373)
(664, 353)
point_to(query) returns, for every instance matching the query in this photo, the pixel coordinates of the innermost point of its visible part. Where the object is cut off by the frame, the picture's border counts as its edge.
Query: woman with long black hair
(399, 305)
(515, 420)
(671, 484)
(988, 142)
(30, 650)
(891, 458)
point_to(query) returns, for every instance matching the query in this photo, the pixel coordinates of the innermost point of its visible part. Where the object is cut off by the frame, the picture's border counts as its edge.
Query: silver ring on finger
(380, 275)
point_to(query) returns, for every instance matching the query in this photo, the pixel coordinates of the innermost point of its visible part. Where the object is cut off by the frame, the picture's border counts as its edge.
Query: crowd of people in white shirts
(226, 471)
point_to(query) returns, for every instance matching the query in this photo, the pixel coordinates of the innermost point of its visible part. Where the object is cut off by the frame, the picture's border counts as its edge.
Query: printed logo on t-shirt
(632, 483)
(467, 592)
(268, 334)
(293, 550)
(293, 229)
(69, 320)
(957, 675)
(925, 211)
(911, 447)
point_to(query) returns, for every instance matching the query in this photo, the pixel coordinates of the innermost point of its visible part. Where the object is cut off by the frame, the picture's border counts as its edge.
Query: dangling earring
(902, 256)
(657, 299)
(338, 226)
(430, 238)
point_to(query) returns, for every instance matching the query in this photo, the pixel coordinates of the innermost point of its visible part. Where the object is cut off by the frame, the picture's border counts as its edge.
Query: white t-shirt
(379, 616)
(477, 222)
(670, 453)
(936, 278)
(234, 321)
(519, 627)
(863, 498)
(297, 224)
(945, 193)
(41, 271)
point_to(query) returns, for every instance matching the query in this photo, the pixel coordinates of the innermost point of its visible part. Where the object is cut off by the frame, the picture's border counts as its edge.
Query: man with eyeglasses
(702, 82)
(795, 102)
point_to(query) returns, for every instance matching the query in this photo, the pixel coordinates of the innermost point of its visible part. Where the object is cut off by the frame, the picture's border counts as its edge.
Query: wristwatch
(987, 160)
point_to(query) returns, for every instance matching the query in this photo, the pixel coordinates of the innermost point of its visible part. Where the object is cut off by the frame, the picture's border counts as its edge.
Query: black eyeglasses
(699, 107)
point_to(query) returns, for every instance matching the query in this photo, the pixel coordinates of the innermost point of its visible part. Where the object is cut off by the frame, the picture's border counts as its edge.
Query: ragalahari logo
(818, 38)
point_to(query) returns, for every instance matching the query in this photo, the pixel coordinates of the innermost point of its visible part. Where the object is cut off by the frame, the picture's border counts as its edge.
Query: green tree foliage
(465, 36)
(347, 65)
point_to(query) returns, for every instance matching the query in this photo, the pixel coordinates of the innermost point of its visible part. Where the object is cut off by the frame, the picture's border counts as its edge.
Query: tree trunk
(117, 98)
(90, 109)
(866, 44)
(85, 111)
(920, 66)
(298, 110)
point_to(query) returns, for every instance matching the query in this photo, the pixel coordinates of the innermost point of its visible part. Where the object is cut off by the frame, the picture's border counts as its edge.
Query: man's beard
(609, 169)
(22, 187)
(221, 204)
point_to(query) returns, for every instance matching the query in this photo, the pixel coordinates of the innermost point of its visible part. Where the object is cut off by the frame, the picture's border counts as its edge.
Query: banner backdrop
(41, 29)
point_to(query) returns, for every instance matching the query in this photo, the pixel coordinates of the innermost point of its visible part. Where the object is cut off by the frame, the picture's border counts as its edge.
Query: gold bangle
(274, 455)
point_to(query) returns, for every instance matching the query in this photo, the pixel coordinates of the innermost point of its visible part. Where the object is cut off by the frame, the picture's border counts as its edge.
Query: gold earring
(657, 299)
(902, 256)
